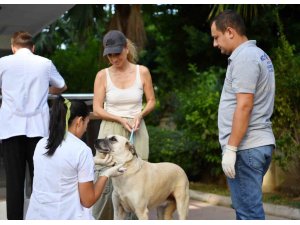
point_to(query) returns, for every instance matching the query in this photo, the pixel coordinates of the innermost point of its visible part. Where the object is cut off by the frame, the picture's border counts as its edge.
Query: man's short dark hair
(229, 18)
(22, 39)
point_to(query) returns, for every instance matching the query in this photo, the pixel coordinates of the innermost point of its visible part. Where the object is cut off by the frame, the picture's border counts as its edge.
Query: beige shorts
(141, 137)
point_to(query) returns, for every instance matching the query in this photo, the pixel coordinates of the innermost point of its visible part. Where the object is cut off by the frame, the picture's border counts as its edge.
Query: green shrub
(286, 119)
(198, 114)
(174, 146)
(194, 145)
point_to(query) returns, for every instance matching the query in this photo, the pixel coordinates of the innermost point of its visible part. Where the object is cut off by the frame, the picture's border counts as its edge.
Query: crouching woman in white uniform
(63, 186)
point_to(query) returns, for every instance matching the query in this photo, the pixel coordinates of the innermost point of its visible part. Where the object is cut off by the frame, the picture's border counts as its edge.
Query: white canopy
(27, 17)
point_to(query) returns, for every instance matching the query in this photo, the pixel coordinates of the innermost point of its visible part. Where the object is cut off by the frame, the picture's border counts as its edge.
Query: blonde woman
(118, 102)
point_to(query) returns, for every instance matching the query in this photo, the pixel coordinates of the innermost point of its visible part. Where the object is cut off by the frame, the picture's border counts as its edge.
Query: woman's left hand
(137, 121)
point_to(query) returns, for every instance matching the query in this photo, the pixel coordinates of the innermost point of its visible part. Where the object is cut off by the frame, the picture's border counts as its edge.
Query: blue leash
(131, 139)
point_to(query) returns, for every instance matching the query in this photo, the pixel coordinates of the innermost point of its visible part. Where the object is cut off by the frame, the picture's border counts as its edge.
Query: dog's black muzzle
(102, 145)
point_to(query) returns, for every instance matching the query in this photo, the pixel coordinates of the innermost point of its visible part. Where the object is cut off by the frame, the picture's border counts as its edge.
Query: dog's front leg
(119, 212)
(142, 213)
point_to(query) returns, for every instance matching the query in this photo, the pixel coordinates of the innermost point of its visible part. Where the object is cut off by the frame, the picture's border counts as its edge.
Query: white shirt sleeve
(56, 79)
(86, 166)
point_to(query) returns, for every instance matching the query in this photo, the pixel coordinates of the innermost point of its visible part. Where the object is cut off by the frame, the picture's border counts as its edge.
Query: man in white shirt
(25, 81)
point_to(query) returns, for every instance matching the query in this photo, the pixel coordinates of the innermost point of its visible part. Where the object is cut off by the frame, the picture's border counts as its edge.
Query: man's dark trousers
(17, 151)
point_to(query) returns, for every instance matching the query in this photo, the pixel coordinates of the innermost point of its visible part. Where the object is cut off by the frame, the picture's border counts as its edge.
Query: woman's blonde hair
(132, 51)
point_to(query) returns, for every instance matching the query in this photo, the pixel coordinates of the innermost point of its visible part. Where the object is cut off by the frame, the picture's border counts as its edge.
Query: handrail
(88, 97)
(75, 96)
(81, 96)
(78, 96)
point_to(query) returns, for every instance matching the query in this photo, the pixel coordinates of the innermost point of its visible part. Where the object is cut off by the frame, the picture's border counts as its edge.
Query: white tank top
(124, 102)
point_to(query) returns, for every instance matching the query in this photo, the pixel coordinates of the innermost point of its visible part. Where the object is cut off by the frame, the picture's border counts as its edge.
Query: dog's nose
(98, 142)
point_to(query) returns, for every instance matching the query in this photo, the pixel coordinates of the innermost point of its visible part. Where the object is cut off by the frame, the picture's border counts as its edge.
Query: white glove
(114, 171)
(228, 161)
(107, 161)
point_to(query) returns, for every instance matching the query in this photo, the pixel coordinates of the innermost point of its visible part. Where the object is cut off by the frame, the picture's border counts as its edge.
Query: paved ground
(204, 211)
(197, 211)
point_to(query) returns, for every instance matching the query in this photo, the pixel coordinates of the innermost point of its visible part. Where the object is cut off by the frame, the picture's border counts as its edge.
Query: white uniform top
(55, 192)
(124, 102)
(24, 81)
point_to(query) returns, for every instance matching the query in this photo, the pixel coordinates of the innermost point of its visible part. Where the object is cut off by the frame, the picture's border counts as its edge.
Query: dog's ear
(131, 148)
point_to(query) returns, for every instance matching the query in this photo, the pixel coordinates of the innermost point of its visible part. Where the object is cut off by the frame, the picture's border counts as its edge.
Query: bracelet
(231, 148)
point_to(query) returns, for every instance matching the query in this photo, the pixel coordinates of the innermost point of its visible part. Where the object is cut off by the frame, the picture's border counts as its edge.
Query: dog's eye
(113, 139)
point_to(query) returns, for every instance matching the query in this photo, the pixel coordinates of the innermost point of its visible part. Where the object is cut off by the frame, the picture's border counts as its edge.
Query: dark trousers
(17, 151)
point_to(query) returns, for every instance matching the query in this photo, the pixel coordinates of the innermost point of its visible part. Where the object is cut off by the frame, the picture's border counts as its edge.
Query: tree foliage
(287, 108)
(83, 63)
(179, 53)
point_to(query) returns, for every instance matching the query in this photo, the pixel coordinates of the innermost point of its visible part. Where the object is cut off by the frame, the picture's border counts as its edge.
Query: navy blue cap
(113, 42)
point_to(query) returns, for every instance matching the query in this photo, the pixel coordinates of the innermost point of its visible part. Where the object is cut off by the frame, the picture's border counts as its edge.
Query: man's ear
(13, 49)
(230, 32)
(33, 49)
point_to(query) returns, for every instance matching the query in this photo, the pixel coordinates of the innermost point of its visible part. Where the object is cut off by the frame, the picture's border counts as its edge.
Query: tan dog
(144, 185)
